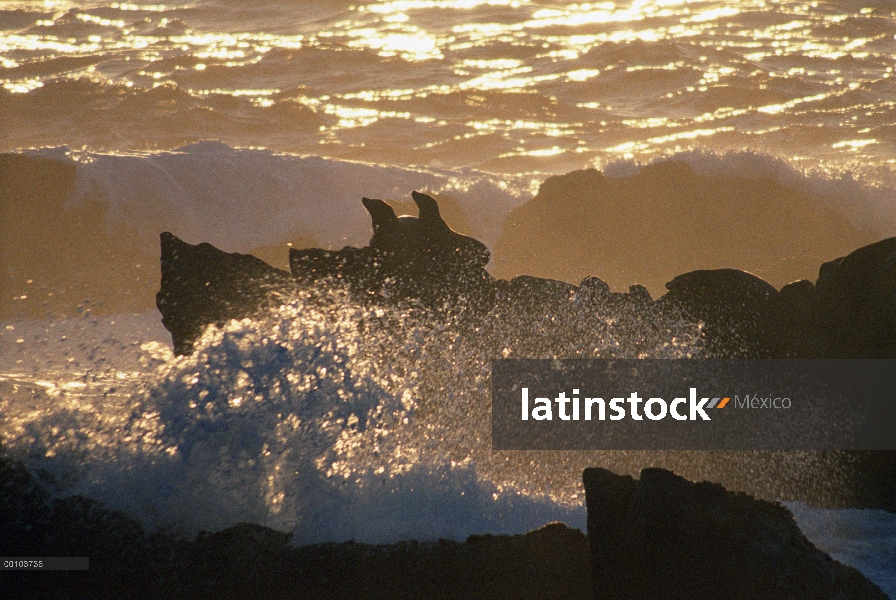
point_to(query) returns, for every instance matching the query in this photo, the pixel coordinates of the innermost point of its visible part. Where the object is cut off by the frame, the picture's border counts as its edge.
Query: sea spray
(323, 403)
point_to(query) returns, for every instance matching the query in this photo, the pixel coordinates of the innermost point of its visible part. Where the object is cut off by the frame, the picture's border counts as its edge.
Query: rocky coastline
(661, 536)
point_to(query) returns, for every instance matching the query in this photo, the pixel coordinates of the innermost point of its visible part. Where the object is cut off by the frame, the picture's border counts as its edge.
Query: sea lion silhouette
(408, 258)
(422, 237)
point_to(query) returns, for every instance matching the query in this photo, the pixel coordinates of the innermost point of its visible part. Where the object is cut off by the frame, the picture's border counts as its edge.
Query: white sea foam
(240, 199)
(328, 419)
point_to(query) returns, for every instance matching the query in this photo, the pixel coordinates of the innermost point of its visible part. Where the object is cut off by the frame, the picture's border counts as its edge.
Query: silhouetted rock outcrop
(665, 537)
(849, 313)
(409, 258)
(732, 304)
(202, 285)
(856, 302)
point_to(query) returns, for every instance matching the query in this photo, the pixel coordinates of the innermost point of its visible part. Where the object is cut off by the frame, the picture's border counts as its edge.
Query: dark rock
(253, 562)
(849, 314)
(856, 304)
(790, 323)
(248, 561)
(723, 287)
(202, 285)
(798, 291)
(639, 293)
(353, 266)
(535, 293)
(417, 259)
(873, 479)
(665, 537)
(24, 513)
(33, 524)
(593, 287)
(733, 305)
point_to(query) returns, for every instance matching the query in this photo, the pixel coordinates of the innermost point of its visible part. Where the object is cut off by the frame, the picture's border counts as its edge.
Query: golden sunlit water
(505, 86)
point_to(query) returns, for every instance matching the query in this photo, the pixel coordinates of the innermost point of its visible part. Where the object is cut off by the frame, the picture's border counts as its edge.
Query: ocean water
(253, 125)
(507, 86)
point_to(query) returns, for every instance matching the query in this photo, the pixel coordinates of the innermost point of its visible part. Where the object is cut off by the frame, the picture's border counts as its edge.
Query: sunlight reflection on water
(508, 86)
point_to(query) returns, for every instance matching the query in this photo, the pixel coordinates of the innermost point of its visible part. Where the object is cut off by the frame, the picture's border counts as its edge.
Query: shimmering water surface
(507, 86)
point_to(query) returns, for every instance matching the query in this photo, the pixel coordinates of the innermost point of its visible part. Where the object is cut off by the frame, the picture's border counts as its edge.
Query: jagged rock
(354, 266)
(536, 294)
(409, 258)
(202, 285)
(792, 332)
(249, 561)
(639, 293)
(666, 537)
(850, 313)
(593, 291)
(798, 292)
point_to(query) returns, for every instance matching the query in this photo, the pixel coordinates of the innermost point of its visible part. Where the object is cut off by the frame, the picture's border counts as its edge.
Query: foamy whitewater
(256, 124)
